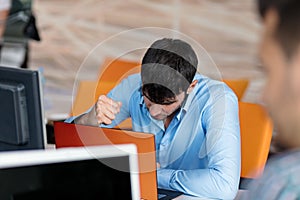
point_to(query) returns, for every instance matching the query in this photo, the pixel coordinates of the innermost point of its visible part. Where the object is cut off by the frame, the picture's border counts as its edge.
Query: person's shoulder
(214, 87)
(209, 82)
(281, 175)
(133, 80)
(134, 77)
(281, 161)
(130, 83)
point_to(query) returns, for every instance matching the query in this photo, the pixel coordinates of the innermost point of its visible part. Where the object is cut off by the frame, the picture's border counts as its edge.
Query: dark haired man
(194, 119)
(280, 53)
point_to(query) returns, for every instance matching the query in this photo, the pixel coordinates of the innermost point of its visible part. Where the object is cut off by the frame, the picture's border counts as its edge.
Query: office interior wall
(228, 30)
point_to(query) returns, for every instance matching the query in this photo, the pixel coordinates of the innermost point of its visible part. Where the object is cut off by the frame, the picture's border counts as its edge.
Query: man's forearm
(88, 118)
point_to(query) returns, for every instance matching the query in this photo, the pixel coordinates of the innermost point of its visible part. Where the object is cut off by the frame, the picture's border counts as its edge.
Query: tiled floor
(224, 33)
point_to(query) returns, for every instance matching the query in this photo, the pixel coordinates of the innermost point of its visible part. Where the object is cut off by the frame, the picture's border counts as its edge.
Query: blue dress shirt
(199, 152)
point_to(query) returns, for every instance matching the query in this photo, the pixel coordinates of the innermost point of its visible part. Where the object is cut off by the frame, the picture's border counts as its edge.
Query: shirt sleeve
(220, 179)
(72, 118)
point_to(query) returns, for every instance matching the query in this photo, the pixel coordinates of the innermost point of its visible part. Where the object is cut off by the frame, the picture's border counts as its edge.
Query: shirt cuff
(164, 178)
(70, 120)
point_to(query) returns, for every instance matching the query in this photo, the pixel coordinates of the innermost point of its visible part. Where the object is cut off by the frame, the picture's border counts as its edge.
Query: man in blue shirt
(194, 119)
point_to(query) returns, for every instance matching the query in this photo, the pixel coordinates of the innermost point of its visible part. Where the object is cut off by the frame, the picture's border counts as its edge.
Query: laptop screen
(91, 176)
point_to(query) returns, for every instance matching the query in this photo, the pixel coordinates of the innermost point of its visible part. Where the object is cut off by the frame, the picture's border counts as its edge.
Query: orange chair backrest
(84, 97)
(73, 135)
(256, 134)
(238, 86)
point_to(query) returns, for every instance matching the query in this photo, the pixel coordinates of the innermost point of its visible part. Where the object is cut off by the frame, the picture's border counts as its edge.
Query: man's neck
(168, 120)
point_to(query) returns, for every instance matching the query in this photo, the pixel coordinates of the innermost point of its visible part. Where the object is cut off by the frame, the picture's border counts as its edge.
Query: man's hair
(168, 68)
(287, 32)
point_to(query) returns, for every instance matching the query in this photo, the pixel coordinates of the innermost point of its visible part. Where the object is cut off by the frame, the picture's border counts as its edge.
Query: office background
(228, 30)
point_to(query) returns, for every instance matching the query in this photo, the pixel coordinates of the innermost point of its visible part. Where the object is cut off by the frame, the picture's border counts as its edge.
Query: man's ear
(192, 86)
(271, 21)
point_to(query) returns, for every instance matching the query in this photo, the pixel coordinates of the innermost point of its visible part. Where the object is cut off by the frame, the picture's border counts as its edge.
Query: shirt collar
(188, 101)
(193, 93)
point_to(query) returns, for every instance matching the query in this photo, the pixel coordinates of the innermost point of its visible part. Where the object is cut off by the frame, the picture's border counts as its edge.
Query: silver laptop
(99, 172)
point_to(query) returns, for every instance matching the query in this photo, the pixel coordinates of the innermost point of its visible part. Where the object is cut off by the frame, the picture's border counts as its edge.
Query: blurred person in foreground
(194, 119)
(280, 54)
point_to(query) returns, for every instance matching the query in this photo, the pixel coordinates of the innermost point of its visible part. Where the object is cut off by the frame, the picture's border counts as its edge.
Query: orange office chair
(256, 133)
(238, 86)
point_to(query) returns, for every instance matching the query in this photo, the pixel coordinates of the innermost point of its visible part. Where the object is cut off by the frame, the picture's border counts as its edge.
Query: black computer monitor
(22, 119)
